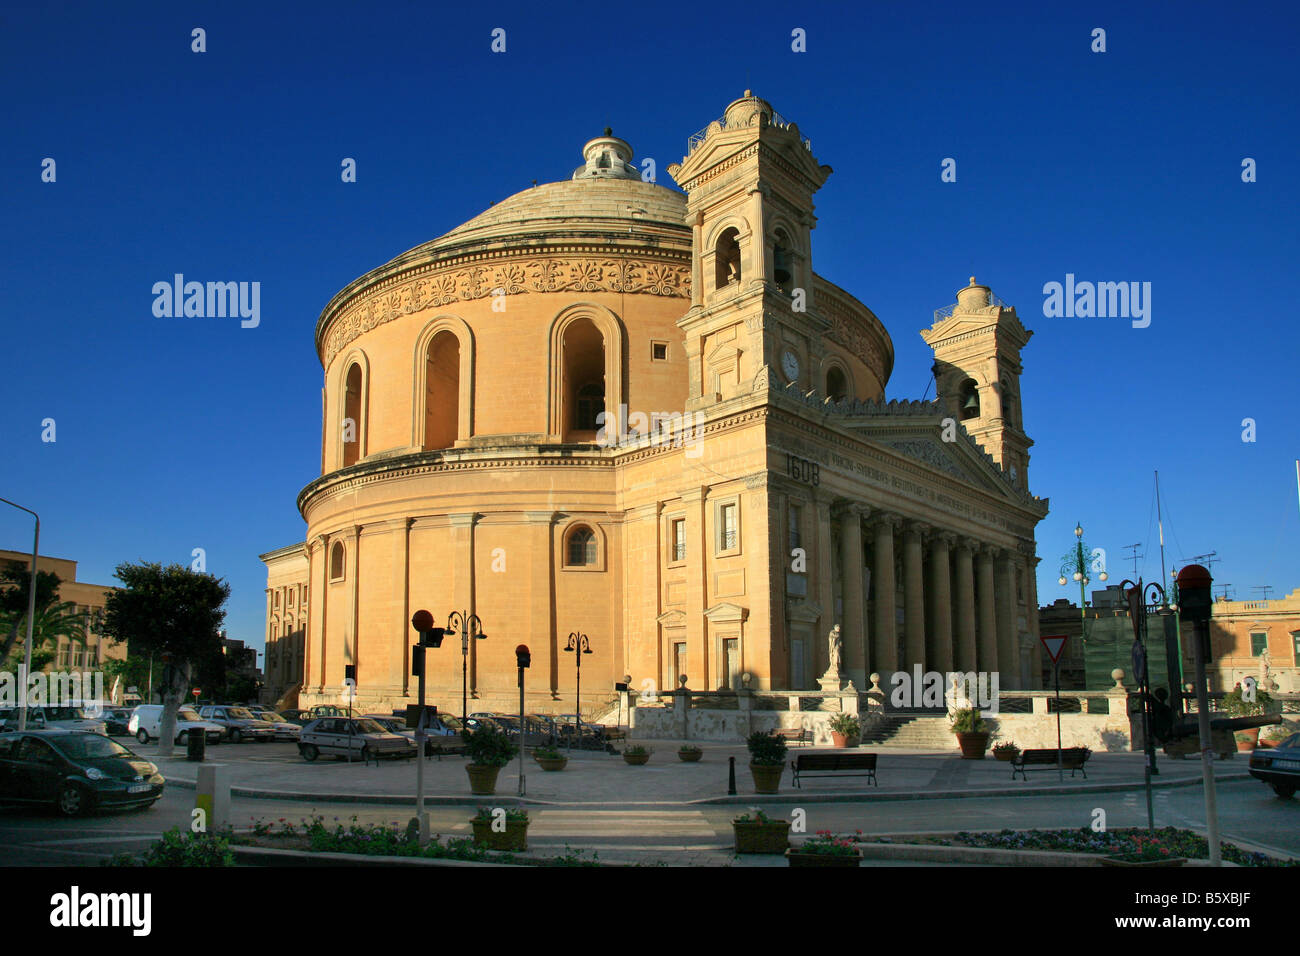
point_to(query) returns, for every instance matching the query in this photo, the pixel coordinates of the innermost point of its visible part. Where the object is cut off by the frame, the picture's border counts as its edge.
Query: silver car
(352, 736)
(285, 729)
(239, 722)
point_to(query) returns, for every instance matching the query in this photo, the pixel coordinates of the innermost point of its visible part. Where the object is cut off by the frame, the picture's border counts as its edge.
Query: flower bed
(1130, 845)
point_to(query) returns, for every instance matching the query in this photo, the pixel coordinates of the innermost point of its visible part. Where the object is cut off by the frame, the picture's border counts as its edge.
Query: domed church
(613, 416)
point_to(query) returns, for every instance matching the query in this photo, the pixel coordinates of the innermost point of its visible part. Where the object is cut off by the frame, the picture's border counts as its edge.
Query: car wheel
(1284, 790)
(236, 737)
(142, 735)
(183, 738)
(309, 751)
(73, 801)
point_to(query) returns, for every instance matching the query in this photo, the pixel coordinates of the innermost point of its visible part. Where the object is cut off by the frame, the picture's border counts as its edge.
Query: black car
(115, 721)
(1279, 766)
(74, 772)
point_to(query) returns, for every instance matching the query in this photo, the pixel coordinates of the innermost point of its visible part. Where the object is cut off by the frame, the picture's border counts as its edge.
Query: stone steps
(910, 731)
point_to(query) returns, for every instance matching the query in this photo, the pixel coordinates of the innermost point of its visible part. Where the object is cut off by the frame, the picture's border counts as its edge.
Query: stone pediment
(672, 619)
(962, 459)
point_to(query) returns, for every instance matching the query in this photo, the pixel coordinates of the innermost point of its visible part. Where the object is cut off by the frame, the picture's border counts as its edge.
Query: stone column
(461, 529)
(986, 656)
(698, 553)
(913, 596)
(818, 652)
(1031, 619)
(1008, 640)
(965, 623)
(856, 657)
(940, 594)
(884, 633)
(541, 600)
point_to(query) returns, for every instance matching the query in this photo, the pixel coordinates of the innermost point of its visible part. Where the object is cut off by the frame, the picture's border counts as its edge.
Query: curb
(266, 856)
(799, 797)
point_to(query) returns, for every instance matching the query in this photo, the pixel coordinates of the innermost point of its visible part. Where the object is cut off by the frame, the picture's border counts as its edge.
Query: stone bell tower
(749, 178)
(977, 370)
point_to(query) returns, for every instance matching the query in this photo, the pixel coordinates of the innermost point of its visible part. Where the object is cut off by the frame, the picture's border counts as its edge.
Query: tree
(53, 619)
(174, 612)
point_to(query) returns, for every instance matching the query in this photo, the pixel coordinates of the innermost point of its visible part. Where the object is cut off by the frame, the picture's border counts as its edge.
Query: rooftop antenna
(1263, 587)
(1225, 587)
(1135, 556)
(1209, 560)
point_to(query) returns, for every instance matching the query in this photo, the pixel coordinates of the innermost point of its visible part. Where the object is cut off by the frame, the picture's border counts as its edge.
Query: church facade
(615, 415)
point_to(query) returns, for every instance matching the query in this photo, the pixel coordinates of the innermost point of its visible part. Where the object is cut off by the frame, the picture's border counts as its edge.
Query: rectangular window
(679, 539)
(1258, 643)
(63, 657)
(290, 595)
(679, 663)
(727, 527)
(1295, 642)
(659, 351)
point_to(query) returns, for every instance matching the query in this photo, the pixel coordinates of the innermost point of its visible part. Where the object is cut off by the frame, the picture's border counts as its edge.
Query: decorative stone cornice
(450, 281)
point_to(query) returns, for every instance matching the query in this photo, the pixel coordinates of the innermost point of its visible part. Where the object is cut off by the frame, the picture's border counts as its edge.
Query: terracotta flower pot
(482, 779)
(551, 763)
(1006, 755)
(767, 778)
(514, 838)
(690, 756)
(839, 740)
(755, 837)
(636, 760)
(796, 858)
(973, 745)
(1247, 739)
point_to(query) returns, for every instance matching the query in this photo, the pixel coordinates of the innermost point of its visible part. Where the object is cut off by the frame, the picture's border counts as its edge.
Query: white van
(146, 718)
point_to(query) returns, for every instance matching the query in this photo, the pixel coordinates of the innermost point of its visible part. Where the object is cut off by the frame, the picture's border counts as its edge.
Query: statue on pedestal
(836, 646)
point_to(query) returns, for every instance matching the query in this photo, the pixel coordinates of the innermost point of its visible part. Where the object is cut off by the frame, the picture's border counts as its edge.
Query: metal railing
(948, 310)
(777, 120)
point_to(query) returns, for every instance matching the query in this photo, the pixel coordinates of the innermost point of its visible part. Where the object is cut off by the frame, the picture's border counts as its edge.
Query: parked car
(285, 729)
(55, 718)
(146, 719)
(116, 721)
(239, 723)
(1279, 766)
(440, 736)
(75, 772)
(295, 716)
(328, 710)
(356, 736)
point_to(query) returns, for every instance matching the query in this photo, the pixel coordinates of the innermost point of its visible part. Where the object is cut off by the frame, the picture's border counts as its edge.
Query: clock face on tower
(790, 365)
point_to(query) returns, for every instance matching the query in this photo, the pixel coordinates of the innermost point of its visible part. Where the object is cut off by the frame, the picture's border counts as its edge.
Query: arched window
(336, 561)
(968, 399)
(351, 428)
(1010, 412)
(581, 551)
(442, 391)
(836, 384)
(727, 258)
(584, 380)
(782, 264)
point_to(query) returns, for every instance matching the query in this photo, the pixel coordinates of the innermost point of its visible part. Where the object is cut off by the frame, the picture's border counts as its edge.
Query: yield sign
(1055, 643)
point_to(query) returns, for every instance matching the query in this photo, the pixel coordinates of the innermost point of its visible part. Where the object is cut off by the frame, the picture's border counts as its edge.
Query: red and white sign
(1055, 643)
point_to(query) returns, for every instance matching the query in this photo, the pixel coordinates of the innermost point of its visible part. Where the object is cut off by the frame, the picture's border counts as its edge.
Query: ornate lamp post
(468, 626)
(1140, 598)
(578, 645)
(1075, 565)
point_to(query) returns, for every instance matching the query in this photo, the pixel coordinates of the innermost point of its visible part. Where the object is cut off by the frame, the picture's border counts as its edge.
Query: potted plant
(766, 760)
(846, 730)
(972, 733)
(1006, 751)
(487, 750)
(689, 753)
(497, 828)
(756, 832)
(636, 755)
(549, 758)
(1235, 704)
(825, 849)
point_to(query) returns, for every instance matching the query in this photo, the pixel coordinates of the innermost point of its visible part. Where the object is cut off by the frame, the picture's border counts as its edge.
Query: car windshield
(273, 718)
(367, 726)
(90, 746)
(186, 714)
(239, 713)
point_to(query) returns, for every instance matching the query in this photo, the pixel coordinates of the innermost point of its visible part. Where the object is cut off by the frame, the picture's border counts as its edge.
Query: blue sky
(175, 434)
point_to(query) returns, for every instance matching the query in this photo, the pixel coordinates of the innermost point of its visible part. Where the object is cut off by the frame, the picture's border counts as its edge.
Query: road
(693, 835)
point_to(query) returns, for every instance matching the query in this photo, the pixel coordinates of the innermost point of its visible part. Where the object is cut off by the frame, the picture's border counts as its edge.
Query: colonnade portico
(960, 609)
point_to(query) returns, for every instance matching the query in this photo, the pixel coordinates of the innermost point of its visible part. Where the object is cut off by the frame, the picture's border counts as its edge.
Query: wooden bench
(831, 764)
(794, 734)
(1072, 759)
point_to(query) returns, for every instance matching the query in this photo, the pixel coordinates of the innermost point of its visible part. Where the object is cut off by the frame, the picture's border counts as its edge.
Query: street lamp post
(578, 645)
(469, 626)
(1079, 568)
(31, 612)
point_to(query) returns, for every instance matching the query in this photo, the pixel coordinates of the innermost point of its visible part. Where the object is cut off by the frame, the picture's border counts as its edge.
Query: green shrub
(183, 848)
(968, 721)
(766, 749)
(489, 747)
(846, 724)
